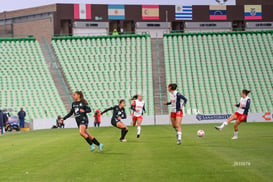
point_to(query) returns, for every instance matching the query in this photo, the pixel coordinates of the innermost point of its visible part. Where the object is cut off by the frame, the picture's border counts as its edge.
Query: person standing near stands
(21, 116)
(115, 32)
(97, 117)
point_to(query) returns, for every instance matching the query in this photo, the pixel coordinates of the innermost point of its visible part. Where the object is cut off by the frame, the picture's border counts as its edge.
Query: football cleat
(218, 128)
(101, 147)
(92, 148)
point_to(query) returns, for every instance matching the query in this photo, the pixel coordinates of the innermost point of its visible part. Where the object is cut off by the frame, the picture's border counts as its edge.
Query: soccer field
(62, 155)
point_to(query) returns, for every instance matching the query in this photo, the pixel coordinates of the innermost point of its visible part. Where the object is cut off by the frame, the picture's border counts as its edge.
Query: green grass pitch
(62, 155)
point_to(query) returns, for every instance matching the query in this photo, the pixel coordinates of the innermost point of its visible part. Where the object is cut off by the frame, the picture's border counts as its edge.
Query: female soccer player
(118, 114)
(176, 109)
(239, 116)
(138, 106)
(80, 108)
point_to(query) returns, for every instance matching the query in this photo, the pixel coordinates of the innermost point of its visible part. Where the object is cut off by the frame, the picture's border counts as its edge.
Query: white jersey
(243, 108)
(177, 101)
(138, 105)
(173, 100)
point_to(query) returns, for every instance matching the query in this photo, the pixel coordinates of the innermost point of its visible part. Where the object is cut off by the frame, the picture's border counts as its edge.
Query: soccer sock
(223, 125)
(123, 130)
(126, 131)
(96, 142)
(235, 133)
(179, 135)
(89, 141)
(138, 130)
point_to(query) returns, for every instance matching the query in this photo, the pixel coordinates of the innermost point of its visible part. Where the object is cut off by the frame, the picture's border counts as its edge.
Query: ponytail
(246, 92)
(133, 98)
(81, 96)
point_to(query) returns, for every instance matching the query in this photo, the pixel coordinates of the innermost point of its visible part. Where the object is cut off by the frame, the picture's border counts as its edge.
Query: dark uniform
(117, 113)
(81, 117)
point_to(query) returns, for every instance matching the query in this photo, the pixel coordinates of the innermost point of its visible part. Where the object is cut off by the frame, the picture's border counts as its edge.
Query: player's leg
(139, 121)
(236, 124)
(94, 141)
(88, 133)
(179, 130)
(92, 146)
(124, 130)
(173, 120)
(82, 130)
(134, 119)
(231, 118)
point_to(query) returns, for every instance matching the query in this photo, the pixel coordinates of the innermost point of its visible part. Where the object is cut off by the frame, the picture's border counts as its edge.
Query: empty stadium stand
(212, 68)
(107, 68)
(25, 80)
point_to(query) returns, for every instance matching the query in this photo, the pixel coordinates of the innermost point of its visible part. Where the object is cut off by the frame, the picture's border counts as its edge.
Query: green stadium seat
(212, 69)
(25, 80)
(107, 68)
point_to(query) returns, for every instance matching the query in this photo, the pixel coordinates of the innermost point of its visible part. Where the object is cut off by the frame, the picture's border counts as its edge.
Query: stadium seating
(107, 68)
(25, 80)
(212, 68)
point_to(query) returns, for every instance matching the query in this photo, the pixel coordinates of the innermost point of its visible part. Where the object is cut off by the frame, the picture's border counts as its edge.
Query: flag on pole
(82, 11)
(150, 12)
(183, 12)
(218, 12)
(253, 12)
(116, 12)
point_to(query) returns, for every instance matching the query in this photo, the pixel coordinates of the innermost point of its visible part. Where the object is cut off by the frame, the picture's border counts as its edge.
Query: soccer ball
(200, 133)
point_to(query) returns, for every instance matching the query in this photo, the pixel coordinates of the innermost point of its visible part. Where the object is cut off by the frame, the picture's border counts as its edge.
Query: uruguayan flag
(183, 12)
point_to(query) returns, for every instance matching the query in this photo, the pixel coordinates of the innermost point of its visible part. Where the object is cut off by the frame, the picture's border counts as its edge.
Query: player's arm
(87, 108)
(106, 110)
(182, 97)
(68, 115)
(237, 105)
(167, 103)
(133, 106)
(144, 109)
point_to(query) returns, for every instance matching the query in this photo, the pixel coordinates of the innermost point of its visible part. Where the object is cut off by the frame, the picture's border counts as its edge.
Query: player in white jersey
(239, 116)
(177, 101)
(138, 107)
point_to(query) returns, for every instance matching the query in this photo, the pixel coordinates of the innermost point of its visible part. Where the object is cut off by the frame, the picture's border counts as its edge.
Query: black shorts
(114, 122)
(82, 122)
